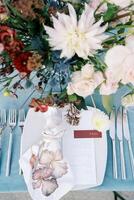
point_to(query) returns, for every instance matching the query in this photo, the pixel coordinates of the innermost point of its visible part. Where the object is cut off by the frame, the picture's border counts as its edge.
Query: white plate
(33, 128)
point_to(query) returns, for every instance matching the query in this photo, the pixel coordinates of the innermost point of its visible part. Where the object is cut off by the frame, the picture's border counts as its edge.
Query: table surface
(15, 182)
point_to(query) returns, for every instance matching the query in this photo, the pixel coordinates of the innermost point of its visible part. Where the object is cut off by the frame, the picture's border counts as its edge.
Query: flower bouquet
(65, 51)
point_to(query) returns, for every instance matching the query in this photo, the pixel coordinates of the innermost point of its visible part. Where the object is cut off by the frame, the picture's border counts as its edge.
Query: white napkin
(65, 183)
(51, 142)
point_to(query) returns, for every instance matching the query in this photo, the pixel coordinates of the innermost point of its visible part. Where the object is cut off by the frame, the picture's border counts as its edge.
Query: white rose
(98, 78)
(108, 88)
(130, 42)
(70, 89)
(128, 70)
(120, 62)
(84, 88)
(87, 71)
(76, 76)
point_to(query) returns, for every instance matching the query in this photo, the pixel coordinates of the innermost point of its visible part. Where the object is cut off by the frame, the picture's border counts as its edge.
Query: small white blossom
(100, 121)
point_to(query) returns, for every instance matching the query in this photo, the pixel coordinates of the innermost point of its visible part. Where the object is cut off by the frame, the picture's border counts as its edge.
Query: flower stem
(28, 98)
(93, 101)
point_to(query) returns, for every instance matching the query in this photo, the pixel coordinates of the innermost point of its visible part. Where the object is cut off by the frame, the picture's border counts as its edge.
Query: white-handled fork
(12, 124)
(21, 121)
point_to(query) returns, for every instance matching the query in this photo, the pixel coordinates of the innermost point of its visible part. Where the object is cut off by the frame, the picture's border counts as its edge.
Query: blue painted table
(15, 183)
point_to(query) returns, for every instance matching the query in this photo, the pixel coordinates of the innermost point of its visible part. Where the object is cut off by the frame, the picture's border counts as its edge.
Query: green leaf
(111, 12)
(72, 98)
(107, 101)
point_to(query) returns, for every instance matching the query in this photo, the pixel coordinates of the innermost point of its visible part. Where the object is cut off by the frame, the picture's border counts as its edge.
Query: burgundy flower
(2, 9)
(20, 62)
(7, 35)
(15, 47)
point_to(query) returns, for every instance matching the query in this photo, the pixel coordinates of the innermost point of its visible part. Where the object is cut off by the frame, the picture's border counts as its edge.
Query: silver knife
(112, 135)
(120, 138)
(128, 138)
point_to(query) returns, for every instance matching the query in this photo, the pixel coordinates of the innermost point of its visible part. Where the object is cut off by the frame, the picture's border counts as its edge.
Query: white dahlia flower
(100, 121)
(82, 37)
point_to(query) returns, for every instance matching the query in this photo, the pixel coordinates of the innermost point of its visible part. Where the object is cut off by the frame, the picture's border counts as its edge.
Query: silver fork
(2, 126)
(12, 124)
(21, 121)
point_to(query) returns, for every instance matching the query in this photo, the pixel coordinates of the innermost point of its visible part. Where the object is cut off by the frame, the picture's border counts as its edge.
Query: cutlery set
(119, 130)
(11, 120)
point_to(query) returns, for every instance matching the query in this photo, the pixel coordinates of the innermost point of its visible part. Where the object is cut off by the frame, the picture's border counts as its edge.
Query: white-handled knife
(128, 138)
(120, 138)
(112, 135)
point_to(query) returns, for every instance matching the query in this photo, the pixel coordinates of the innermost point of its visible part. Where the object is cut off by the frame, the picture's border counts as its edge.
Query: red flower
(16, 46)
(38, 105)
(2, 9)
(20, 62)
(7, 35)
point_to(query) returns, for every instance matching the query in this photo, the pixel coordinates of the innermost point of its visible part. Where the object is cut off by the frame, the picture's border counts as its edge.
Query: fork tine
(9, 116)
(2, 116)
(21, 115)
(12, 124)
(12, 116)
